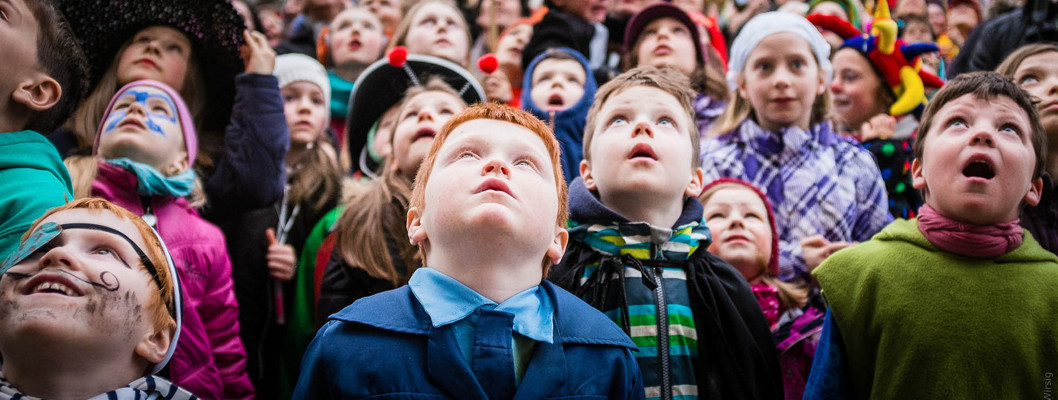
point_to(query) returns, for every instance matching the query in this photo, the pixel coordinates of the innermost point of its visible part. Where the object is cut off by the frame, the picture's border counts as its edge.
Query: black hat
(382, 85)
(213, 27)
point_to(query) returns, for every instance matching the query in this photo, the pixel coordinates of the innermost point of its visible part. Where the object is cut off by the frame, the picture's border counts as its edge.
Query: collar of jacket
(399, 311)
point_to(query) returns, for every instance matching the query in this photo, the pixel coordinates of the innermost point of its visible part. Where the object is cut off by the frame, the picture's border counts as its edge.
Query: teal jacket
(32, 180)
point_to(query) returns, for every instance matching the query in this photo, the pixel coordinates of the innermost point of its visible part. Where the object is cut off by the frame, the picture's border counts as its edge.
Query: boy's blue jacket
(569, 123)
(385, 345)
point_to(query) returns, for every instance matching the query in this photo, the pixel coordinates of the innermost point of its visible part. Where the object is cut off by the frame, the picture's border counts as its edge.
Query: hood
(579, 111)
(773, 265)
(585, 207)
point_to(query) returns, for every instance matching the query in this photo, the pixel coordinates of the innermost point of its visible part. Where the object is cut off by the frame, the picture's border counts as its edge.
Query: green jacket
(921, 323)
(32, 181)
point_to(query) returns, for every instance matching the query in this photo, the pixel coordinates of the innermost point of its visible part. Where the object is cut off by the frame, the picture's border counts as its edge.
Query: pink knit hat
(773, 264)
(182, 112)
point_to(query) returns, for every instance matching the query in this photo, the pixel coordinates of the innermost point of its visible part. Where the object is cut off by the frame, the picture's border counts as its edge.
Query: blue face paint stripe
(116, 117)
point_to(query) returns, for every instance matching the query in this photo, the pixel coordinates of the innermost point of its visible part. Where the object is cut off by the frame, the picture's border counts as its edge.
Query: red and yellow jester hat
(900, 69)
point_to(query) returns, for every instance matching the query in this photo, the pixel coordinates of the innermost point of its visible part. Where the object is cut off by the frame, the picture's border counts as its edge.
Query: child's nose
(425, 115)
(983, 137)
(496, 167)
(59, 257)
(643, 128)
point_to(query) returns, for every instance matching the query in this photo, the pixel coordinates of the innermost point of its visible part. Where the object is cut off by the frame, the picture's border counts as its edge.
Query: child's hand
(281, 258)
(816, 248)
(257, 55)
(879, 126)
(497, 87)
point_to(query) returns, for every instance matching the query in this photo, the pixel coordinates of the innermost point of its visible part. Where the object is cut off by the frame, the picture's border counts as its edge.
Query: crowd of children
(499, 199)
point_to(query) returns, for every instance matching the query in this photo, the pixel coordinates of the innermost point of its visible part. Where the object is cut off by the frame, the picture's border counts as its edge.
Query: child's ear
(558, 245)
(918, 181)
(39, 94)
(416, 230)
(742, 87)
(822, 88)
(1032, 198)
(694, 188)
(154, 345)
(179, 165)
(586, 175)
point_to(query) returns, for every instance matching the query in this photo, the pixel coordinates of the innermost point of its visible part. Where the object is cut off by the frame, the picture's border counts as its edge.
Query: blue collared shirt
(447, 301)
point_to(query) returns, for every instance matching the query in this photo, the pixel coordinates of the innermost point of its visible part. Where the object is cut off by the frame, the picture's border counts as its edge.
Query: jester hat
(895, 60)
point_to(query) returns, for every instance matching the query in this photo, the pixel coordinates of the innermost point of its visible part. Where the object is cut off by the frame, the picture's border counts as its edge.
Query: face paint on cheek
(113, 120)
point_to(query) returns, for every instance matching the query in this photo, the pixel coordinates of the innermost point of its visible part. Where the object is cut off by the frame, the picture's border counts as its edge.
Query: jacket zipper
(663, 333)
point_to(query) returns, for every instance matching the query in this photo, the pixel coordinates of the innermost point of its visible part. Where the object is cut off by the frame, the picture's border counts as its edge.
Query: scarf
(153, 183)
(978, 241)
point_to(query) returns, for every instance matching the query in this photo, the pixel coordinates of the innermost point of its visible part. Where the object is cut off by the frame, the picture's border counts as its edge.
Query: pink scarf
(978, 241)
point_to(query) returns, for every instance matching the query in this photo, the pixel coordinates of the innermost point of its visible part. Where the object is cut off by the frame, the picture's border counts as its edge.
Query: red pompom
(398, 56)
(488, 63)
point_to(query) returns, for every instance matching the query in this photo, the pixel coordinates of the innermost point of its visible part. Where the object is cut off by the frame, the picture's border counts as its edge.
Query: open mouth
(979, 168)
(51, 284)
(662, 50)
(643, 151)
(355, 44)
(555, 101)
(424, 133)
(494, 185)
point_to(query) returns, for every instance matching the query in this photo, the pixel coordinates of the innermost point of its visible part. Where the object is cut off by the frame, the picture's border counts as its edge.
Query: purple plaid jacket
(817, 182)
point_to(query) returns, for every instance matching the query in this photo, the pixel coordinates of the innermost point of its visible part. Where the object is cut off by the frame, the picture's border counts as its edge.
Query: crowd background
(303, 123)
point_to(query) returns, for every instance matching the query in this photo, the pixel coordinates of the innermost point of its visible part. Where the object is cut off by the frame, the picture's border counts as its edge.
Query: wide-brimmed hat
(213, 27)
(382, 85)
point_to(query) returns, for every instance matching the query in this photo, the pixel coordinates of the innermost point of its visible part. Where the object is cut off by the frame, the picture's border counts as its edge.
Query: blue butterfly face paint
(155, 108)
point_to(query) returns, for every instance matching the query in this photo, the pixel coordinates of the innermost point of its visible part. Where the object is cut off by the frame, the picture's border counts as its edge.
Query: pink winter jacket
(210, 360)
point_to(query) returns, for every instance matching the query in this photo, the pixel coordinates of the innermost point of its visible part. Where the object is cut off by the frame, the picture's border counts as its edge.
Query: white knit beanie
(295, 67)
(770, 23)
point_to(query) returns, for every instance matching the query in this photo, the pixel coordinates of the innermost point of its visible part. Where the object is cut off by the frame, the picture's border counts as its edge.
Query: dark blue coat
(385, 345)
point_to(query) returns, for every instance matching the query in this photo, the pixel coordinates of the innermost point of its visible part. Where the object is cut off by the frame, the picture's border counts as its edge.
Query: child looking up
(145, 147)
(478, 324)
(434, 28)
(637, 247)
(558, 89)
(933, 298)
(354, 41)
(267, 240)
(370, 255)
(743, 228)
(1034, 68)
(42, 82)
(825, 189)
(90, 308)
(663, 34)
